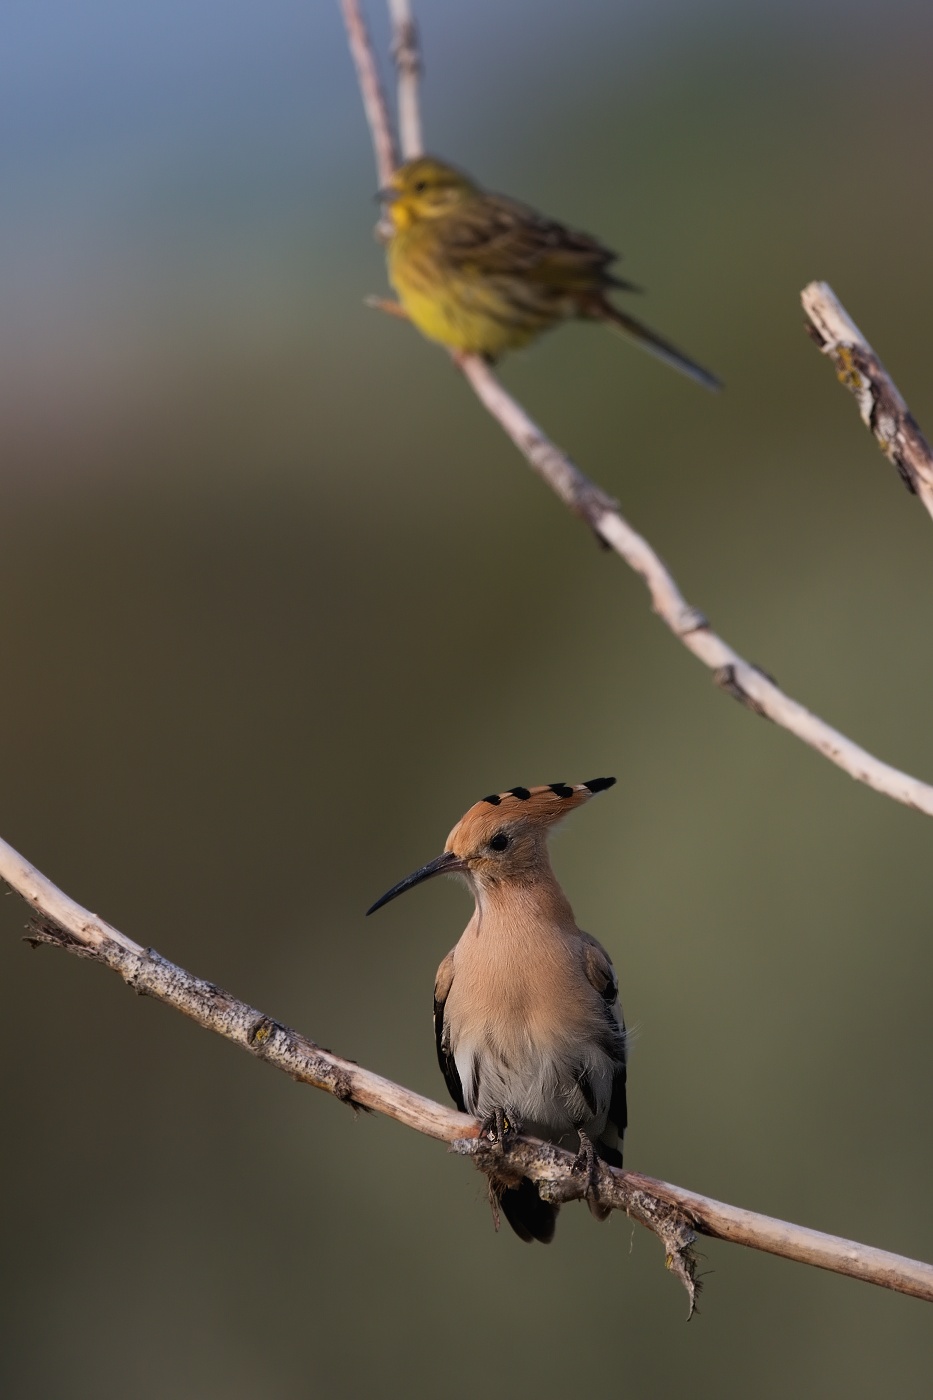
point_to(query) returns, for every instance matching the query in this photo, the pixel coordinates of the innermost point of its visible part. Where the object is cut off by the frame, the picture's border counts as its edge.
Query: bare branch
(858, 369)
(374, 99)
(407, 55)
(672, 1213)
(743, 681)
(640, 1196)
(63, 922)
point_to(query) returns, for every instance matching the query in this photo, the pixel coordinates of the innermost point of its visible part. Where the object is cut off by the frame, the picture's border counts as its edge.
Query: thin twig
(858, 368)
(374, 98)
(407, 54)
(671, 1212)
(737, 677)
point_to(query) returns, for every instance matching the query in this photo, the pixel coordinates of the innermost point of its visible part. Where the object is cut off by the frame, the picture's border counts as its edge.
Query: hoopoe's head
(502, 838)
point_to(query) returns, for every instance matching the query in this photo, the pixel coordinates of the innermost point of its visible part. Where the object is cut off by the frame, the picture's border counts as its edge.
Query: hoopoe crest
(527, 1020)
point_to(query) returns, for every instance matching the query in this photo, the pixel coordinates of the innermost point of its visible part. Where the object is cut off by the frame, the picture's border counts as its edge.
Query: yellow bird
(483, 274)
(527, 1020)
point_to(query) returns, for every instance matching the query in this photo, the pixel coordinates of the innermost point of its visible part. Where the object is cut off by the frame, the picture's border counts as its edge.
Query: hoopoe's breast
(529, 1033)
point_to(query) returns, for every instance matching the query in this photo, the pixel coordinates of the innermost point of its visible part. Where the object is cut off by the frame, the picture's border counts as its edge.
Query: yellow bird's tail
(604, 310)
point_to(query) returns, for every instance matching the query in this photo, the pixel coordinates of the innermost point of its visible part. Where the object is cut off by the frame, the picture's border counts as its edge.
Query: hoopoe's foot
(587, 1161)
(497, 1125)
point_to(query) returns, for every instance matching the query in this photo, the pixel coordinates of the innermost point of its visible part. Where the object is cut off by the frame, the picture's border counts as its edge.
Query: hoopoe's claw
(587, 1161)
(496, 1126)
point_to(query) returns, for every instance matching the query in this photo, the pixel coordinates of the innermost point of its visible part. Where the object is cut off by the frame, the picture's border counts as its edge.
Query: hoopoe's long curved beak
(445, 864)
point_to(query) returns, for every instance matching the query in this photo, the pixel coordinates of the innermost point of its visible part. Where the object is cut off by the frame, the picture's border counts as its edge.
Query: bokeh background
(279, 602)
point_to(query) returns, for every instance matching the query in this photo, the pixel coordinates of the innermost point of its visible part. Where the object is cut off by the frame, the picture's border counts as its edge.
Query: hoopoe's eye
(499, 841)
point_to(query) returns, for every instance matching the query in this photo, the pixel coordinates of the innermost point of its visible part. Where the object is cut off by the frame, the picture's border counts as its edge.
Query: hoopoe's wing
(602, 976)
(442, 986)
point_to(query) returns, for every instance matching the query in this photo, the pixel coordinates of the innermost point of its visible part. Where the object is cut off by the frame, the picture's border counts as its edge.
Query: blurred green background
(279, 602)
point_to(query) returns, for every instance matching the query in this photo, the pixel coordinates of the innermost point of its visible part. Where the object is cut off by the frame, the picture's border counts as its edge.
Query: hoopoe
(529, 1030)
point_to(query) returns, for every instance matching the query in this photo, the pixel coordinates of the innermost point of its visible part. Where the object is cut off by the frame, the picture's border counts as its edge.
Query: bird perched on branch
(529, 1030)
(484, 274)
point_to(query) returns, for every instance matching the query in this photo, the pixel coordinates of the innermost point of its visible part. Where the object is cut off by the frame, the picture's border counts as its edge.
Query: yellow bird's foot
(390, 307)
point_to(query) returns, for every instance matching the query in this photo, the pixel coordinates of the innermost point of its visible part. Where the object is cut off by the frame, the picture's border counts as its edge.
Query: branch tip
(880, 404)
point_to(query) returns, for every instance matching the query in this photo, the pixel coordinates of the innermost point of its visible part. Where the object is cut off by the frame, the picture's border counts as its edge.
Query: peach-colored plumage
(526, 1011)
